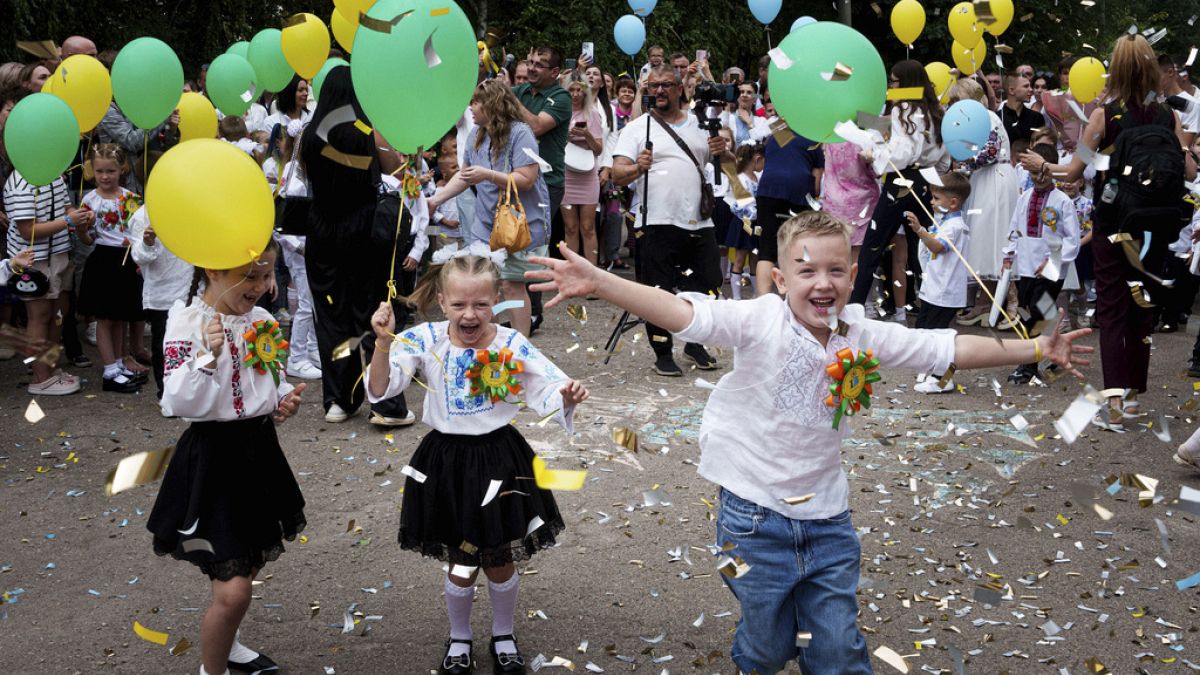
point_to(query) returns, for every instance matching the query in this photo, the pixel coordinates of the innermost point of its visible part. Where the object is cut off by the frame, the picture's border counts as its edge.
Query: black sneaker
(535, 322)
(81, 361)
(121, 385)
(1022, 375)
(666, 366)
(1193, 369)
(261, 664)
(700, 355)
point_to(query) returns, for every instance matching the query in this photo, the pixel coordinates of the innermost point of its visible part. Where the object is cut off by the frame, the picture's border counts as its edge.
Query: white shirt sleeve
(142, 254)
(404, 359)
(897, 346)
(1069, 230)
(419, 210)
(543, 382)
(736, 323)
(188, 390)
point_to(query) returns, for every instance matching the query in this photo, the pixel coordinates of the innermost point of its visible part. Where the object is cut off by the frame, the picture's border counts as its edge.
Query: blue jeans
(803, 576)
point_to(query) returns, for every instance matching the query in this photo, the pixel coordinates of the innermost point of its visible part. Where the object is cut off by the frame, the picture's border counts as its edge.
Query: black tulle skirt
(444, 516)
(111, 287)
(228, 499)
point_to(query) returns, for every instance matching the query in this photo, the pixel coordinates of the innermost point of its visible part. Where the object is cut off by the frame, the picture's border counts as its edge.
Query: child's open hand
(289, 404)
(383, 322)
(214, 333)
(572, 276)
(1060, 347)
(573, 393)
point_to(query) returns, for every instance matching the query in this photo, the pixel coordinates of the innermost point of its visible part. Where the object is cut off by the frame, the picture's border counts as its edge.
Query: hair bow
(477, 248)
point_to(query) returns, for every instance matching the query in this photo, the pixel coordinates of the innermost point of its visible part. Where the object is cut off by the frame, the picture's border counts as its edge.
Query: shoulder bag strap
(686, 150)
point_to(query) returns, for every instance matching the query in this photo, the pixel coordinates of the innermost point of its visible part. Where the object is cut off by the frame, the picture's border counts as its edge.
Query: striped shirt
(23, 201)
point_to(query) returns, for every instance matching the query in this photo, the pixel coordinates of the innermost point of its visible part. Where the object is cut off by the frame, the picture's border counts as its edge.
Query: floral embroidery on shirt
(239, 405)
(175, 354)
(797, 392)
(459, 400)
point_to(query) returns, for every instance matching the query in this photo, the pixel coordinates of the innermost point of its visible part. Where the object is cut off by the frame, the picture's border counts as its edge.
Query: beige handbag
(510, 229)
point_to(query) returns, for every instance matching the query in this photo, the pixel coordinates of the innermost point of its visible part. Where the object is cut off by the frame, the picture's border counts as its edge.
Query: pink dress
(583, 187)
(850, 188)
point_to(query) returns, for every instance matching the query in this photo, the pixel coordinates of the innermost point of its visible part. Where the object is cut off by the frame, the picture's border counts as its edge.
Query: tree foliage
(1041, 33)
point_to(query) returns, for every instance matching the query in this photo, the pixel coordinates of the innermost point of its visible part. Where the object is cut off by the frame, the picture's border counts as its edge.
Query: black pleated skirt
(228, 499)
(111, 287)
(445, 517)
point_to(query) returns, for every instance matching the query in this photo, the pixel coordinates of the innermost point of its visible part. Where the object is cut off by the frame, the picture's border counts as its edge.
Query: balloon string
(86, 154)
(145, 160)
(1015, 322)
(391, 284)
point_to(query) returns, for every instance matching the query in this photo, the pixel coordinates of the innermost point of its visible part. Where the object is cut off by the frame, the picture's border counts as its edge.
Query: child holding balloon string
(111, 288)
(468, 500)
(229, 498)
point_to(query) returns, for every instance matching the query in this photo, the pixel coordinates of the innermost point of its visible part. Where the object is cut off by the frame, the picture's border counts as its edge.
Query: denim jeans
(803, 576)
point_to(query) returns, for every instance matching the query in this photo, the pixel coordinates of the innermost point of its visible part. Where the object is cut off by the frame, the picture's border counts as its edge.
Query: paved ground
(631, 587)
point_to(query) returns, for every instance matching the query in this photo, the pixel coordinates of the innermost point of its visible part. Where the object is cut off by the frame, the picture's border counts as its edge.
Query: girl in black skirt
(470, 498)
(111, 288)
(228, 498)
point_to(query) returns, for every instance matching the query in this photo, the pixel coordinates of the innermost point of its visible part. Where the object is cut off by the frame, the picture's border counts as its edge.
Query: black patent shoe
(456, 665)
(262, 664)
(122, 386)
(506, 663)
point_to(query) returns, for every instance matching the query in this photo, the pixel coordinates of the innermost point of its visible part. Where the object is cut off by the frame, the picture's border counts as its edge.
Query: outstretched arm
(574, 276)
(976, 351)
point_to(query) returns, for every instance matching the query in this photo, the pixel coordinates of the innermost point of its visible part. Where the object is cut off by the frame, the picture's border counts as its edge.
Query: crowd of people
(694, 182)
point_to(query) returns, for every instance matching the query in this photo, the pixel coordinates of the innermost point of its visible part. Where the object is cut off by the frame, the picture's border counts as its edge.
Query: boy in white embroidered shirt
(943, 272)
(781, 479)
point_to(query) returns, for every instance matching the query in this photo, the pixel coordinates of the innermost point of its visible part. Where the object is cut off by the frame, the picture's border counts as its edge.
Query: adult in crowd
(1175, 96)
(1019, 121)
(33, 77)
(748, 128)
(347, 281)
(582, 186)
(988, 210)
(995, 86)
(915, 143)
(677, 248)
(498, 150)
(792, 173)
(77, 44)
(290, 104)
(849, 188)
(1125, 324)
(1040, 83)
(1060, 104)
(10, 75)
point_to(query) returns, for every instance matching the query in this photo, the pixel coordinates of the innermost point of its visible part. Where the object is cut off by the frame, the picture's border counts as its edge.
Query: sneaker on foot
(697, 353)
(304, 370)
(81, 361)
(1193, 369)
(90, 334)
(58, 384)
(336, 414)
(666, 366)
(385, 421)
(930, 386)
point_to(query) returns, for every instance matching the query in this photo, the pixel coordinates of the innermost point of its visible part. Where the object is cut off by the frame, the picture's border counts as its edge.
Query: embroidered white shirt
(767, 433)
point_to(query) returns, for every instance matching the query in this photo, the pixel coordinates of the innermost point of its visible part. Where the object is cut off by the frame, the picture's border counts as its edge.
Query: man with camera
(664, 152)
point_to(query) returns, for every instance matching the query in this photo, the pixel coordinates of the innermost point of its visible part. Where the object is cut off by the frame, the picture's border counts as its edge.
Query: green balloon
(320, 78)
(266, 55)
(241, 48)
(414, 81)
(231, 84)
(147, 80)
(811, 104)
(41, 137)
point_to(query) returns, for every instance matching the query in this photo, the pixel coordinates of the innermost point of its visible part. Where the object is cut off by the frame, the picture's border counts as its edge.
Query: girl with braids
(915, 143)
(469, 499)
(228, 499)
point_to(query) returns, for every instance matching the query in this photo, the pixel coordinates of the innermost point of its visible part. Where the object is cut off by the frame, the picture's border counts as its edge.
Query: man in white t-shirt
(1186, 105)
(677, 250)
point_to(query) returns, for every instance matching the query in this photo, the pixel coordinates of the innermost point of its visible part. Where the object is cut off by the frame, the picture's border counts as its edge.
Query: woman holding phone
(581, 190)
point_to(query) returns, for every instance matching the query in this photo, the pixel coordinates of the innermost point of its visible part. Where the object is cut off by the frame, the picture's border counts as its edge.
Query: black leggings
(889, 220)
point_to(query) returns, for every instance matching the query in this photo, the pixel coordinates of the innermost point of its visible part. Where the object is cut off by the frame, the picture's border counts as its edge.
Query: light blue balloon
(765, 10)
(801, 22)
(630, 34)
(643, 7)
(965, 129)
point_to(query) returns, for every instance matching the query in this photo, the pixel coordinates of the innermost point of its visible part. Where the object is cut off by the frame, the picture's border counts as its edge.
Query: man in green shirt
(548, 113)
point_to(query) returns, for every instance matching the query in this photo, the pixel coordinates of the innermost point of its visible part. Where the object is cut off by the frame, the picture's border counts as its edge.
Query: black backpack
(1147, 165)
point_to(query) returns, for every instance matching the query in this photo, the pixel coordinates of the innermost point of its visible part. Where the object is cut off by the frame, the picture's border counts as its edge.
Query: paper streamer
(506, 306)
(150, 635)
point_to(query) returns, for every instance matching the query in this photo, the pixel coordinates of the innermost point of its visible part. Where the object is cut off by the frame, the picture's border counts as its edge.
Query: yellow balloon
(197, 117)
(1087, 79)
(210, 204)
(968, 60)
(908, 20)
(964, 27)
(343, 30)
(352, 8)
(942, 79)
(305, 42)
(1003, 11)
(84, 83)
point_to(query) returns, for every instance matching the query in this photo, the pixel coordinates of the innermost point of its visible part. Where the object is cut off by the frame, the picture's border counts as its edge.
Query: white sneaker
(1187, 457)
(336, 415)
(930, 386)
(90, 334)
(304, 370)
(55, 385)
(384, 421)
(901, 316)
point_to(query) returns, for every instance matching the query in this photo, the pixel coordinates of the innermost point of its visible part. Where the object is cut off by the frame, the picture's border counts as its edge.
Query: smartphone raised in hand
(589, 52)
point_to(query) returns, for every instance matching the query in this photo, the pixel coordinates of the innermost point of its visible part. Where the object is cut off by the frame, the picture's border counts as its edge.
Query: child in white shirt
(943, 273)
(781, 478)
(1044, 240)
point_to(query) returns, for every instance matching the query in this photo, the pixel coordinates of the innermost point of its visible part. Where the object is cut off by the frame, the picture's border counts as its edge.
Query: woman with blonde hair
(581, 186)
(1125, 325)
(502, 147)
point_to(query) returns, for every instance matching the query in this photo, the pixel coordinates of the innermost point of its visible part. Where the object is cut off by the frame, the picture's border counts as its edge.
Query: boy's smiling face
(816, 275)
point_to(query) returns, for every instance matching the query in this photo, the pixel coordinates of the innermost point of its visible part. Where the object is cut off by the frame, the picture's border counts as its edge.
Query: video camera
(709, 95)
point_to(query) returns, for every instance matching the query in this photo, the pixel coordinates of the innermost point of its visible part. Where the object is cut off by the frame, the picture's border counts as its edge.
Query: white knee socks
(458, 607)
(504, 606)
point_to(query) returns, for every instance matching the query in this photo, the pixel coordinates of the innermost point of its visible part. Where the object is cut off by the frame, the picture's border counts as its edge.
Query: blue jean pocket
(738, 517)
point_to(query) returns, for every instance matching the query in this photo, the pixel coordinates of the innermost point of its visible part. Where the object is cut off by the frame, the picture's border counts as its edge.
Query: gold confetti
(626, 438)
(139, 469)
(578, 312)
(556, 479)
(181, 647)
(343, 350)
(150, 635)
(890, 657)
(842, 72)
(795, 501)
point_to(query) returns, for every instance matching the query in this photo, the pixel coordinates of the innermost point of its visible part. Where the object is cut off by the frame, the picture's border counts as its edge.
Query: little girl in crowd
(111, 289)
(165, 281)
(470, 499)
(742, 236)
(228, 498)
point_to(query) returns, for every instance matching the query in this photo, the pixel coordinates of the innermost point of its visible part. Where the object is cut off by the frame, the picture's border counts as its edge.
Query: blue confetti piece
(124, 523)
(51, 566)
(507, 305)
(133, 581)
(51, 536)
(273, 605)
(140, 512)
(387, 584)
(1114, 488)
(1184, 584)
(93, 592)
(75, 493)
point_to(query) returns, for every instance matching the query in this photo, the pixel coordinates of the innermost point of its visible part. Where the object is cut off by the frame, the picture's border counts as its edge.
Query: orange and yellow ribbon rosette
(265, 348)
(494, 374)
(852, 377)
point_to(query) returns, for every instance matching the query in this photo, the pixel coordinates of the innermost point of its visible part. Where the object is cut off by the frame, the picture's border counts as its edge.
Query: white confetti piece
(413, 474)
(542, 164)
(781, 61)
(33, 412)
(492, 491)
